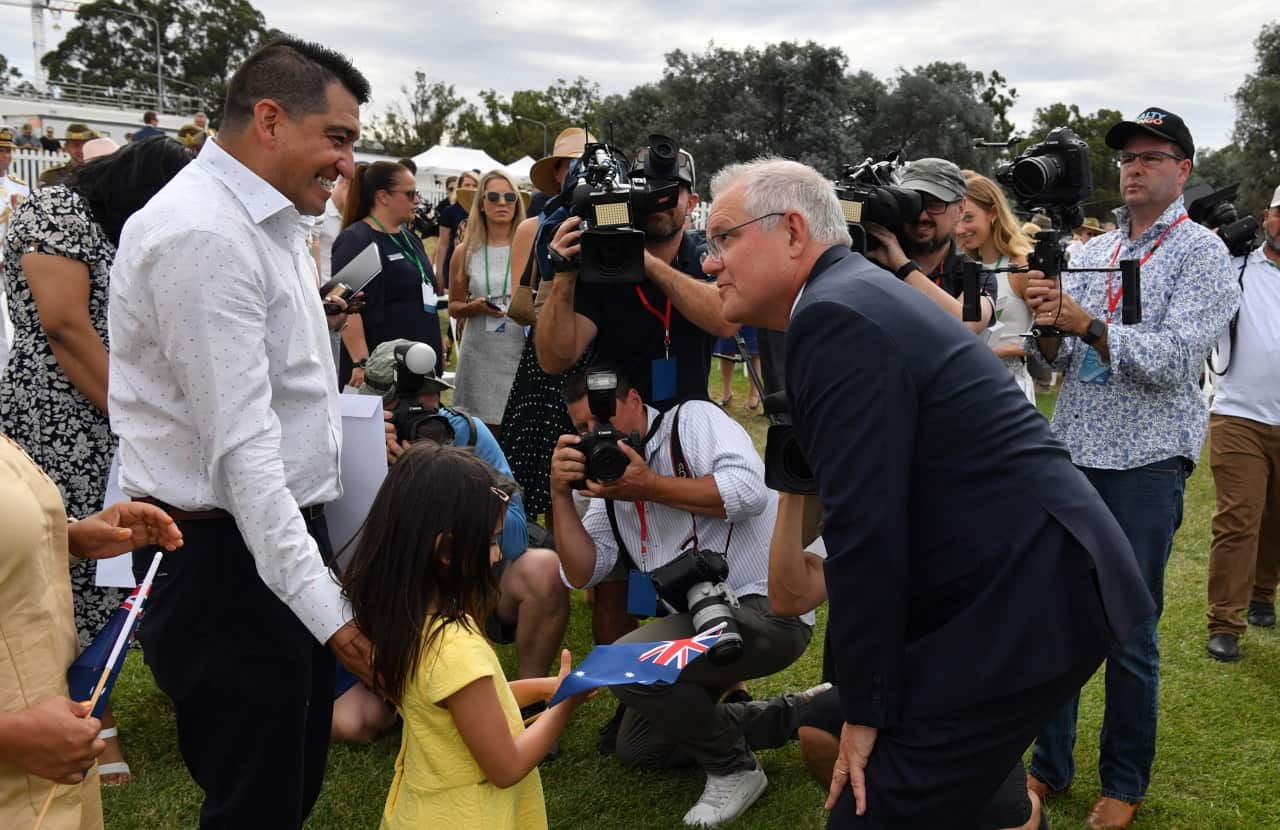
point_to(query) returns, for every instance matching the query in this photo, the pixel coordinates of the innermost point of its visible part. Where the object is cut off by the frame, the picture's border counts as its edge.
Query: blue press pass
(642, 598)
(664, 379)
(1092, 369)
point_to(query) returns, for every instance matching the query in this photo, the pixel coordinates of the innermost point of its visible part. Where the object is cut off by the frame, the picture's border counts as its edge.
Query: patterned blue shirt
(1150, 407)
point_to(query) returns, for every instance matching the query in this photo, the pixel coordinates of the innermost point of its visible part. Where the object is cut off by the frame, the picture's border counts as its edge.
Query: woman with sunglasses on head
(989, 233)
(401, 300)
(480, 289)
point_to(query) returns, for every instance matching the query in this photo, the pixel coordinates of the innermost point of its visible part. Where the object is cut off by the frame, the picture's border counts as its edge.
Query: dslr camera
(1053, 176)
(1215, 209)
(412, 419)
(869, 192)
(605, 462)
(613, 200)
(694, 584)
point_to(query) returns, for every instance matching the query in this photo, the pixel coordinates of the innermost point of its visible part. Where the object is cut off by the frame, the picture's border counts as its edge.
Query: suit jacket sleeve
(855, 406)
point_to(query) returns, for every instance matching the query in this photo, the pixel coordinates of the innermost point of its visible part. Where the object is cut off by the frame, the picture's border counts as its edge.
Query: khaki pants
(1244, 562)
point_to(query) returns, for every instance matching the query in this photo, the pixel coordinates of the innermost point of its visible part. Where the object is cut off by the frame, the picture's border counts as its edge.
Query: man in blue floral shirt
(1131, 413)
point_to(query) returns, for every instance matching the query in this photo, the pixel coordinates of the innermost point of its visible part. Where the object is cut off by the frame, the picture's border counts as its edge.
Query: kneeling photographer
(638, 292)
(533, 607)
(681, 512)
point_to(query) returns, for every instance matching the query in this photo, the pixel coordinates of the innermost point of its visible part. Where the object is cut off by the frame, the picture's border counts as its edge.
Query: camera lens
(1032, 176)
(606, 463)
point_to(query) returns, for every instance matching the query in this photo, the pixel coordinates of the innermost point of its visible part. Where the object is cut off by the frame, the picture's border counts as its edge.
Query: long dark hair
(118, 185)
(368, 180)
(400, 581)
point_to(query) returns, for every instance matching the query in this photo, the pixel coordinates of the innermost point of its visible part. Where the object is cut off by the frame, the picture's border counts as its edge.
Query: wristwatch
(1094, 332)
(360, 364)
(905, 271)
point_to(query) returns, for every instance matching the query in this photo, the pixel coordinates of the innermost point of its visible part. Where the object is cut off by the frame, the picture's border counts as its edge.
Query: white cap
(1275, 198)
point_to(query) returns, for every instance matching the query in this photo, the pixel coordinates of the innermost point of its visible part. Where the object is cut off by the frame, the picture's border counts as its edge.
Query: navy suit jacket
(966, 554)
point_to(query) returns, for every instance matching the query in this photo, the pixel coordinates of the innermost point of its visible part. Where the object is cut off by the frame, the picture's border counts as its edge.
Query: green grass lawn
(1218, 764)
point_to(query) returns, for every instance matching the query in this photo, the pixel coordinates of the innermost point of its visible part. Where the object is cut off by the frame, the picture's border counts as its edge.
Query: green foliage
(935, 110)
(1000, 98)
(201, 43)
(1218, 168)
(431, 109)
(1258, 124)
(1091, 127)
(494, 127)
(9, 75)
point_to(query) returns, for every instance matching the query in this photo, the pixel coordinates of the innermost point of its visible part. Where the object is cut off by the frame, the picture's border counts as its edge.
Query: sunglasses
(494, 197)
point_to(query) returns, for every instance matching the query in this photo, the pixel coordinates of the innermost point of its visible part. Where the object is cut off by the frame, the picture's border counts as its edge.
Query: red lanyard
(644, 536)
(1113, 300)
(665, 319)
(942, 271)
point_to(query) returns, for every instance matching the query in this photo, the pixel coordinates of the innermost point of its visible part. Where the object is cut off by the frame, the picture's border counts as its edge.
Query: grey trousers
(681, 724)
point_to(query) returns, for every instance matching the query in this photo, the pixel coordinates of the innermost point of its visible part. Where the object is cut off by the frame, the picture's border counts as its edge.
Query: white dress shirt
(328, 226)
(222, 386)
(713, 444)
(1251, 387)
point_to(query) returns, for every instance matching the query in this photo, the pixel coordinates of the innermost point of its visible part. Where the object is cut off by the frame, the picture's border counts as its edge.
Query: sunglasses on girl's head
(507, 196)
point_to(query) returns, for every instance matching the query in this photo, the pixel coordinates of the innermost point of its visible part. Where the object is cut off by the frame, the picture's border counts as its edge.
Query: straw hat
(96, 148)
(569, 145)
(1092, 226)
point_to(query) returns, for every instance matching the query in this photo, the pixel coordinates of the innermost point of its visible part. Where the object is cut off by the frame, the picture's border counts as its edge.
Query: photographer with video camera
(533, 608)
(683, 516)
(1133, 418)
(1244, 452)
(653, 313)
(931, 261)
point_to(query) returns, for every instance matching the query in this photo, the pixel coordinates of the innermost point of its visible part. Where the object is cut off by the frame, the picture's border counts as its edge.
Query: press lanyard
(644, 536)
(405, 247)
(1113, 300)
(664, 318)
(506, 278)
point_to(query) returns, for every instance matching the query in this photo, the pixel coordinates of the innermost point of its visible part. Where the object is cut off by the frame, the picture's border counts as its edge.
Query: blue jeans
(1147, 502)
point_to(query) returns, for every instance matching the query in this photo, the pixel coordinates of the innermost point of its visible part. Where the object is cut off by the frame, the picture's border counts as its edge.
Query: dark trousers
(944, 770)
(252, 689)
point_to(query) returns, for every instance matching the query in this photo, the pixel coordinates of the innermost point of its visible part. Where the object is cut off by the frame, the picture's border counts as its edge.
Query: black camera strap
(1232, 326)
(678, 466)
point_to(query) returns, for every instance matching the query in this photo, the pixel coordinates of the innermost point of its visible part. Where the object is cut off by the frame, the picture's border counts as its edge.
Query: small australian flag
(628, 663)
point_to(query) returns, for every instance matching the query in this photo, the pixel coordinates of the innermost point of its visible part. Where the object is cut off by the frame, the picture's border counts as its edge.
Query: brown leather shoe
(1110, 814)
(1040, 788)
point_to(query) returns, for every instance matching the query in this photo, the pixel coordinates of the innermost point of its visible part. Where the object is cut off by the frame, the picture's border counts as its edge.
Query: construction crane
(38, 8)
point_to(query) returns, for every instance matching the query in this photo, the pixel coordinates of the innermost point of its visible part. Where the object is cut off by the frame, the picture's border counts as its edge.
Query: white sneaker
(727, 797)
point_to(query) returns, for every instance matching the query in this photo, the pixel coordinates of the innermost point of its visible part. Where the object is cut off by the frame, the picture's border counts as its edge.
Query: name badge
(1092, 369)
(642, 597)
(394, 257)
(664, 378)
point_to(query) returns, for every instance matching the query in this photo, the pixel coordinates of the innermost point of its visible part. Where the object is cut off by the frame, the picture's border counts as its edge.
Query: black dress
(394, 298)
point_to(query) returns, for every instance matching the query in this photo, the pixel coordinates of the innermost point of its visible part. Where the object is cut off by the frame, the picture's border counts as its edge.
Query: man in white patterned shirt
(222, 392)
(721, 504)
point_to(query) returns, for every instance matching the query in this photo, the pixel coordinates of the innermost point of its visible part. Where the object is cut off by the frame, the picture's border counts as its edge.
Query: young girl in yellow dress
(421, 586)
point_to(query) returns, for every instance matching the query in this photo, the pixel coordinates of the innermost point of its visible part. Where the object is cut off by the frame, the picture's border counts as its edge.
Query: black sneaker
(607, 743)
(1262, 614)
(1224, 647)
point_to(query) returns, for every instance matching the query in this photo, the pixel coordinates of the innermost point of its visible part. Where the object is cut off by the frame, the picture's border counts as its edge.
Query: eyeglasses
(1150, 159)
(716, 242)
(414, 196)
(933, 206)
(493, 196)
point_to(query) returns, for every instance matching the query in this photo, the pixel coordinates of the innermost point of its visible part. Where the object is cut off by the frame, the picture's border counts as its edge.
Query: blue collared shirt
(515, 532)
(1150, 407)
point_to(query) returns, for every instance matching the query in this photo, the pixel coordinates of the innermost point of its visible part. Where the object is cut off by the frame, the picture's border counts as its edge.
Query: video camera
(425, 222)
(694, 584)
(1216, 210)
(613, 199)
(786, 469)
(413, 421)
(869, 192)
(605, 462)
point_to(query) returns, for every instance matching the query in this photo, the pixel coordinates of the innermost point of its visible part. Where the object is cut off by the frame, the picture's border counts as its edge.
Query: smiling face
(932, 231)
(311, 152)
(1150, 190)
(974, 227)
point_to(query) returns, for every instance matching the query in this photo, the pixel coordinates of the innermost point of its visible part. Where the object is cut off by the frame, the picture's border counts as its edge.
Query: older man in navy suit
(955, 635)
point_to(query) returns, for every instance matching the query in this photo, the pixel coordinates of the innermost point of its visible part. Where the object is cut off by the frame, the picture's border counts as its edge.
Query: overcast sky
(1186, 56)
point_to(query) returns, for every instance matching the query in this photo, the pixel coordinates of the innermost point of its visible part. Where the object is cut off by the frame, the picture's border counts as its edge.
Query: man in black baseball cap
(1156, 121)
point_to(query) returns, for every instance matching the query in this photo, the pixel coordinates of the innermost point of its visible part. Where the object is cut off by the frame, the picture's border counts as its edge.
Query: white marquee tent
(519, 170)
(440, 162)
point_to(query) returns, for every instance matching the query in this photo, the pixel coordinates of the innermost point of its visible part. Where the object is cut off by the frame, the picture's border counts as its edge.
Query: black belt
(311, 513)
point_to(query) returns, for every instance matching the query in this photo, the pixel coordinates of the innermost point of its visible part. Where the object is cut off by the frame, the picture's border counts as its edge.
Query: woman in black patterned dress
(53, 394)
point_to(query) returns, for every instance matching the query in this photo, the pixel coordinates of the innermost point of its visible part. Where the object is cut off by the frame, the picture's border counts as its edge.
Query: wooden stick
(116, 648)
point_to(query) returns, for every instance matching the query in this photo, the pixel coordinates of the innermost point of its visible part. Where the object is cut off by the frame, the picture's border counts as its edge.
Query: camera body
(605, 461)
(425, 222)
(1215, 209)
(613, 200)
(413, 420)
(1053, 176)
(694, 584)
(869, 192)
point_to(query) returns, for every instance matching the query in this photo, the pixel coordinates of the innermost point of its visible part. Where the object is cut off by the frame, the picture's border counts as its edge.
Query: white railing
(29, 164)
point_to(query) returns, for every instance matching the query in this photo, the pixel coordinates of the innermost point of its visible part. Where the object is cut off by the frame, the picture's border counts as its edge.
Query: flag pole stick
(117, 647)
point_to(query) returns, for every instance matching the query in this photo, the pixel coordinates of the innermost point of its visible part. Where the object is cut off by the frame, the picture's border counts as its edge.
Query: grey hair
(778, 185)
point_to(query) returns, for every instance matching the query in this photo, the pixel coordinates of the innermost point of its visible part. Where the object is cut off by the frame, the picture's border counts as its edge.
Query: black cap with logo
(1156, 121)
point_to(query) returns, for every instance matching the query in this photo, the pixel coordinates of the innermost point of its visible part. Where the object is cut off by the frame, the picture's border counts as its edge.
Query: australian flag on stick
(642, 663)
(106, 649)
